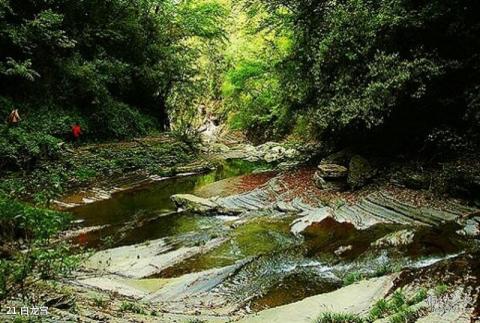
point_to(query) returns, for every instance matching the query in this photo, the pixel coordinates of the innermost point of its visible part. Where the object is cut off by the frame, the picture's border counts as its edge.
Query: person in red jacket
(76, 132)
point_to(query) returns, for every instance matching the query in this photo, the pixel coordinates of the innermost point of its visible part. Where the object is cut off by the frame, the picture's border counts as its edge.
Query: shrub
(26, 231)
(119, 120)
(420, 296)
(22, 149)
(99, 301)
(352, 277)
(338, 318)
(18, 220)
(185, 133)
(407, 315)
(397, 307)
(131, 307)
(441, 289)
(358, 80)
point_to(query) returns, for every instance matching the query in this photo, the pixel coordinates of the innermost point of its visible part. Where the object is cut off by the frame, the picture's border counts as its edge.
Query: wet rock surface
(351, 299)
(140, 261)
(271, 152)
(395, 239)
(272, 255)
(195, 204)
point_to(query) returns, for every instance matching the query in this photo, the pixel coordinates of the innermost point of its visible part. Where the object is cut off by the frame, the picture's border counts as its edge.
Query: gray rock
(341, 250)
(285, 207)
(271, 157)
(356, 299)
(381, 207)
(341, 157)
(146, 259)
(194, 203)
(204, 206)
(395, 239)
(291, 153)
(332, 171)
(288, 165)
(279, 150)
(313, 216)
(471, 227)
(329, 185)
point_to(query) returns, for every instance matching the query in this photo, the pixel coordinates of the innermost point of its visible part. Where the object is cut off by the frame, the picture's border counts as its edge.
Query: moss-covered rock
(341, 157)
(360, 172)
(332, 171)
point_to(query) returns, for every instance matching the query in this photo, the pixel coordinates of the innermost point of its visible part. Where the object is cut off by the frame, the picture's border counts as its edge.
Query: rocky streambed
(258, 245)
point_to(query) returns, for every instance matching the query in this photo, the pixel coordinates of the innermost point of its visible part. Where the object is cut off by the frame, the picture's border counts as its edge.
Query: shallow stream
(281, 267)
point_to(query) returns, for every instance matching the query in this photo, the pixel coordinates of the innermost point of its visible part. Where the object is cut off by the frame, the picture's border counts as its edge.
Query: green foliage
(54, 262)
(352, 277)
(21, 149)
(118, 120)
(30, 222)
(203, 44)
(420, 296)
(50, 179)
(398, 308)
(386, 268)
(441, 289)
(404, 316)
(100, 301)
(364, 70)
(131, 307)
(184, 132)
(29, 228)
(338, 318)
(379, 309)
(114, 69)
(256, 94)
(251, 89)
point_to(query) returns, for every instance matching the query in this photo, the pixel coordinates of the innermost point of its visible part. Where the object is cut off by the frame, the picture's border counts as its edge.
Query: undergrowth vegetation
(27, 230)
(79, 168)
(26, 251)
(397, 308)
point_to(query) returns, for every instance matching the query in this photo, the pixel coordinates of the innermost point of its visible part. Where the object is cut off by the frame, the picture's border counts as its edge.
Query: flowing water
(147, 212)
(281, 267)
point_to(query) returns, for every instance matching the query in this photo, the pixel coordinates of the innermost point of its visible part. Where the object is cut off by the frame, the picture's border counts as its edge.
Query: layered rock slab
(144, 260)
(356, 299)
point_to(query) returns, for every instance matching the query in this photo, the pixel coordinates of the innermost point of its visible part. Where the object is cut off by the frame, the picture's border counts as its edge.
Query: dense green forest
(357, 71)
(112, 66)
(348, 71)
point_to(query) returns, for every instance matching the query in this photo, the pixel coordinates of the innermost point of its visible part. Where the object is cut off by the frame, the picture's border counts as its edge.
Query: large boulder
(470, 225)
(271, 157)
(332, 171)
(395, 239)
(331, 177)
(194, 203)
(331, 184)
(292, 153)
(361, 172)
(410, 177)
(230, 206)
(341, 157)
